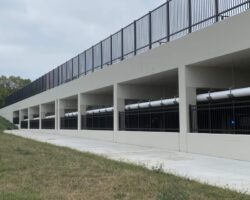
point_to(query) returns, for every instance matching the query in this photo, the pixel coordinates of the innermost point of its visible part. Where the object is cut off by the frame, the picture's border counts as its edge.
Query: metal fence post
(135, 41)
(101, 56)
(85, 63)
(111, 50)
(150, 30)
(189, 16)
(122, 44)
(93, 59)
(78, 63)
(216, 10)
(168, 21)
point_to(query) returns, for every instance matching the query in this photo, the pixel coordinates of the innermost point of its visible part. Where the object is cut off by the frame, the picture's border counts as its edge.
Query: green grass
(34, 170)
(6, 125)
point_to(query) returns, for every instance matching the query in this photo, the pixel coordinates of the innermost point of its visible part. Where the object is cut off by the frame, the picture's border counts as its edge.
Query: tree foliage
(8, 85)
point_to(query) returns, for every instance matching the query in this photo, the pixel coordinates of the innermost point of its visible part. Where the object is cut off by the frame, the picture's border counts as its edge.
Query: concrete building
(177, 78)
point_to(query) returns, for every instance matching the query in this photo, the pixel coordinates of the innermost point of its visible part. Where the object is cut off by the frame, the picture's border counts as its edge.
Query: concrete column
(79, 113)
(60, 112)
(187, 97)
(119, 105)
(19, 114)
(29, 118)
(56, 115)
(40, 116)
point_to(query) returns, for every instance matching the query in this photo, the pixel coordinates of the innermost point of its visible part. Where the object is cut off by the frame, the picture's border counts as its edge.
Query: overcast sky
(38, 35)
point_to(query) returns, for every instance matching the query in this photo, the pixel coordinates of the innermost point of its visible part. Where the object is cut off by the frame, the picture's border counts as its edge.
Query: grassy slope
(33, 170)
(5, 124)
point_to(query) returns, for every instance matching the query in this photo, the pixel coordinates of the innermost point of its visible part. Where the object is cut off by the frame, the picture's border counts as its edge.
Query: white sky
(39, 35)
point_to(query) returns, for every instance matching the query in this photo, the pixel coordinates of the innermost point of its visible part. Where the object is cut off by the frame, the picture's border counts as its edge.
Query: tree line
(8, 85)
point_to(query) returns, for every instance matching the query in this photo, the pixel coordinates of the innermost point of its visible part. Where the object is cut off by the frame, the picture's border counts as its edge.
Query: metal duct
(71, 114)
(164, 102)
(102, 110)
(242, 92)
(50, 117)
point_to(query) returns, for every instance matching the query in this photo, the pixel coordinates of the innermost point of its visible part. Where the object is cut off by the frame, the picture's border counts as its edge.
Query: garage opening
(24, 119)
(48, 115)
(226, 112)
(69, 113)
(34, 116)
(15, 117)
(156, 116)
(98, 119)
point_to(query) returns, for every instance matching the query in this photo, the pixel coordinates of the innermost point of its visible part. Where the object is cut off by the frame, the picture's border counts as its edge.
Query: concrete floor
(221, 172)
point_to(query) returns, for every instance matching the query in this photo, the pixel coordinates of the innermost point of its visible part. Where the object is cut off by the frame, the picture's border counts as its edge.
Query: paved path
(215, 171)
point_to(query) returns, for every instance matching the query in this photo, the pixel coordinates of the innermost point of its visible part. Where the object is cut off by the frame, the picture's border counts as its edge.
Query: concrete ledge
(220, 145)
(164, 140)
(98, 135)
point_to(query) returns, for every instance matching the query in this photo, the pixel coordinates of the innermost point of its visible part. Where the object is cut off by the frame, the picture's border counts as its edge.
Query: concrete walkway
(215, 171)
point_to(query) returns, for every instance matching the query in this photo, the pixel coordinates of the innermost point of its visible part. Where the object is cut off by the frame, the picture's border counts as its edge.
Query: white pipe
(242, 92)
(72, 114)
(50, 117)
(165, 102)
(36, 118)
(102, 110)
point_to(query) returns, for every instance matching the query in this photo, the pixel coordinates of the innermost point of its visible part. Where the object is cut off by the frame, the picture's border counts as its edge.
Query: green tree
(8, 85)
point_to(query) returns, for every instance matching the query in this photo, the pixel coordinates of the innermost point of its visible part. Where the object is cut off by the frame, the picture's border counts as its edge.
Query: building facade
(177, 78)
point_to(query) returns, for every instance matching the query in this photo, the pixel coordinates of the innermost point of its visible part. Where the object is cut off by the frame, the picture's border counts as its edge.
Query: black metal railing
(69, 123)
(24, 124)
(16, 120)
(48, 123)
(225, 118)
(34, 124)
(162, 119)
(168, 22)
(100, 121)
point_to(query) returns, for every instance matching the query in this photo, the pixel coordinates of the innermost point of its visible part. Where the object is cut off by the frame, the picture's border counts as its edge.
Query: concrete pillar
(60, 112)
(29, 118)
(56, 115)
(40, 116)
(19, 114)
(79, 113)
(187, 96)
(119, 105)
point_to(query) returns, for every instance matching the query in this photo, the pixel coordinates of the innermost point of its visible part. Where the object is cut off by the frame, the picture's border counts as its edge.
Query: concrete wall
(221, 145)
(222, 41)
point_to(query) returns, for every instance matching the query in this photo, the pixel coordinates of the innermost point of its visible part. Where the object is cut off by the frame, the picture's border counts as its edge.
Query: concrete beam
(147, 92)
